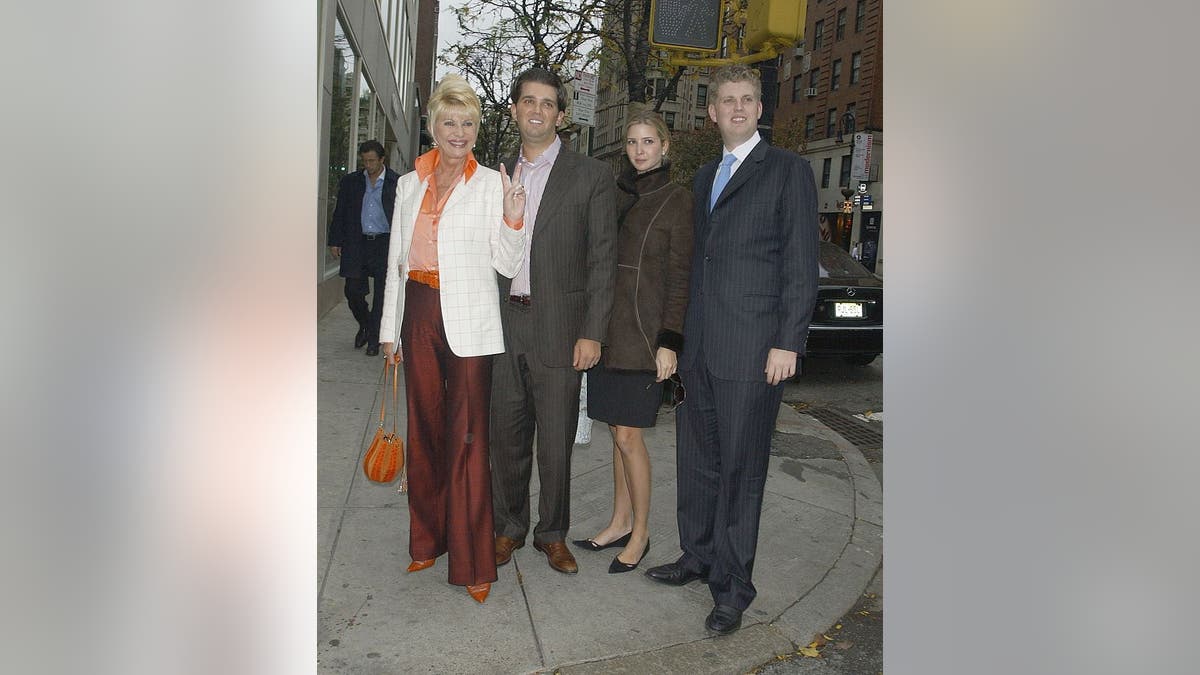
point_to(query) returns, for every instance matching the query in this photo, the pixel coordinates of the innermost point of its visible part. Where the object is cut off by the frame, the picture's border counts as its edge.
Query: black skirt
(622, 397)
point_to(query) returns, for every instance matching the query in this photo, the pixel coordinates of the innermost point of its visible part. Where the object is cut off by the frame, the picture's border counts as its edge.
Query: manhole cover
(859, 433)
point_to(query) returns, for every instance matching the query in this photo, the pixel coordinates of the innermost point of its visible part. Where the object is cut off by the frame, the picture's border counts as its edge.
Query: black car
(848, 318)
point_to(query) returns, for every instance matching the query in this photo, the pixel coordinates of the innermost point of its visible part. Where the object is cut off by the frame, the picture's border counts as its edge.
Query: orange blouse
(423, 251)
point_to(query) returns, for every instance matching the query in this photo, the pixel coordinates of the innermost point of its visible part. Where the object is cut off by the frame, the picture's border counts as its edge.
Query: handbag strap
(383, 395)
(395, 393)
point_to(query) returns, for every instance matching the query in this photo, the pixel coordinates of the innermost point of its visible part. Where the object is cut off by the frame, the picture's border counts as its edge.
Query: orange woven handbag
(385, 458)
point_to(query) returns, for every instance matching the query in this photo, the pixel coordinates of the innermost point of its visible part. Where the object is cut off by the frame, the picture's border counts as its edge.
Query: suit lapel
(458, 195)
(558, 183)
(745, 172)
(703, 189)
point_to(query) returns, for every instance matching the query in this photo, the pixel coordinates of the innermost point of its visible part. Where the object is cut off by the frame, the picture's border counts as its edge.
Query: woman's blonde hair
(644, 115)
(453, 92)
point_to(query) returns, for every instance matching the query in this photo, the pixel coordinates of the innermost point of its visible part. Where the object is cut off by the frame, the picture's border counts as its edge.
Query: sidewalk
(820, 543)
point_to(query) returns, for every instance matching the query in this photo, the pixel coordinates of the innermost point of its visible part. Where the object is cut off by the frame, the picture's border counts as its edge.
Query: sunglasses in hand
(675, 385)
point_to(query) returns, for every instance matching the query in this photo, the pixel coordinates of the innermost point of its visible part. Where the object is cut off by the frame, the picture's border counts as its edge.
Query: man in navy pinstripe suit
(752, 292)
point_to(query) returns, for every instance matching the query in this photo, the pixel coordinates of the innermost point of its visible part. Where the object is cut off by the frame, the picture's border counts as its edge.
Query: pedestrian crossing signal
(687, 25)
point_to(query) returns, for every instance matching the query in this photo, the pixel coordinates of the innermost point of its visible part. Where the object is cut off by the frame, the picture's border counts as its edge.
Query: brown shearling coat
(654, 251)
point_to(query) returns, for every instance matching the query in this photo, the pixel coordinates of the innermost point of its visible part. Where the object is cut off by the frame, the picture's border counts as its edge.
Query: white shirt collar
(743, 151)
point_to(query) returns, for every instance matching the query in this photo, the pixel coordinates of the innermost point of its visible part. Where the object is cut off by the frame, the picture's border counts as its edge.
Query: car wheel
(860, 359)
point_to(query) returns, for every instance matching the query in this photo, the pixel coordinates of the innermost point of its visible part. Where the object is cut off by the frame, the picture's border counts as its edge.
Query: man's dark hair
(372, 146)
(540, 76)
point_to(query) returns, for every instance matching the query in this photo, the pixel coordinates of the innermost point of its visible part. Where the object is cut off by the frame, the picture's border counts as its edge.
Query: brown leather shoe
(504, 549)
(559, 556)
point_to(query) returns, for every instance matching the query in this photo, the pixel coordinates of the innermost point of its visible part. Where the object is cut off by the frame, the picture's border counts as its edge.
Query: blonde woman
(654, 248)
(455, 223)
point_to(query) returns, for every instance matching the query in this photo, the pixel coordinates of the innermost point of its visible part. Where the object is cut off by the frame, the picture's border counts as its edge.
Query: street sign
(860, 160)
(585, 81)
(583, 101)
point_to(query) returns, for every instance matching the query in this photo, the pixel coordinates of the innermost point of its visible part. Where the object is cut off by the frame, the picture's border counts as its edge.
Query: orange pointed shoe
(480, 592)
(418, 565)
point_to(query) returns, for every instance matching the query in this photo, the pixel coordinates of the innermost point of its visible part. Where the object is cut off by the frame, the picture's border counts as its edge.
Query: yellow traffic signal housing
(687, 25)
(780, 21)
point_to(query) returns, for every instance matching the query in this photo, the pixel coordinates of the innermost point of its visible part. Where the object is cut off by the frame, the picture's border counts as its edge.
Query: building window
(813, 77)
(702, 95)
(830, 122)
(699, 121)
(660, 85)
(670, 117)
(844, 172)
(841, 24)
(385, 16)
(818, 34)
(797, 88)
(851, 117)
(836, 76)
(365, 99)
(810, 124)
(826, 169)
(855, 67)
(860, 16)
(341, 115)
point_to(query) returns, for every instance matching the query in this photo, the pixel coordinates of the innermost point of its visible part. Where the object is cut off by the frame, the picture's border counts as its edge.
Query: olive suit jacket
(573, 256)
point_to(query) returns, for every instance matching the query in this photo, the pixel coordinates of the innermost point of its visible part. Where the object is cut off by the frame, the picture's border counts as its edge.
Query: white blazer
(472, 242)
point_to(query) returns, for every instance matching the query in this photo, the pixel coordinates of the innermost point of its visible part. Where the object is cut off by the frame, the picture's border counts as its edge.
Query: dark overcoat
(345, 228)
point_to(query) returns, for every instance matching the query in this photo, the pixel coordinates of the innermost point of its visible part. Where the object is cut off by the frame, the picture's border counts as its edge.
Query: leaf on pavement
(810, 652)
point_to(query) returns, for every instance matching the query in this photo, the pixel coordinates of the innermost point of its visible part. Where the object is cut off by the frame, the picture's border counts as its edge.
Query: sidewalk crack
(537, 640)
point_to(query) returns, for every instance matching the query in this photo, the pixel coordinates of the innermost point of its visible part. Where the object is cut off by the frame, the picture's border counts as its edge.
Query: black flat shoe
(617, 567)
(360, 338)
(590, 545)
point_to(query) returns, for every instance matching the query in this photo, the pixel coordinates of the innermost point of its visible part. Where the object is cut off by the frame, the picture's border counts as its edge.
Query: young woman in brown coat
(654, 250)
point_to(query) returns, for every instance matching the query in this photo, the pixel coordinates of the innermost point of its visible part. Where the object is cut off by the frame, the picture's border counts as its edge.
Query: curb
(759, 643)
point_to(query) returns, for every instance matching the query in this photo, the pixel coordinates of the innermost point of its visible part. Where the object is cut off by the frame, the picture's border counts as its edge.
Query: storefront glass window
(365, 99)
(341, 149)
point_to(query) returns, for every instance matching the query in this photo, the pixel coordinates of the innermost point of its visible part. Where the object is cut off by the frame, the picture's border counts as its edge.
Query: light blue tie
(722, 179)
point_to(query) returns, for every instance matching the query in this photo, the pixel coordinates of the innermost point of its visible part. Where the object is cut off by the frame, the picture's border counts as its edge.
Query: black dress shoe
(673, 574)
(360, 338)
(723, 619)
(593, 546)
(373, 349)
(618, 567)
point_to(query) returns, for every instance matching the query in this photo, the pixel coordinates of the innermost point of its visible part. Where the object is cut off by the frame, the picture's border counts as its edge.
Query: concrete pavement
(820, 543)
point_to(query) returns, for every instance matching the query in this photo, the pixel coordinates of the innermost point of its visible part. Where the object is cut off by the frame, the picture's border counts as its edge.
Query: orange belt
(427, 277)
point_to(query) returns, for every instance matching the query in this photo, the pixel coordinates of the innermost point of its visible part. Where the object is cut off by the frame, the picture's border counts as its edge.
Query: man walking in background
(752, 291)
(358, 235)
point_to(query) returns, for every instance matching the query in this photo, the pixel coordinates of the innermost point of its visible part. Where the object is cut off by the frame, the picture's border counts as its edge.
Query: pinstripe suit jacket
(573, 256)
(473, 244)
(754, 264)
